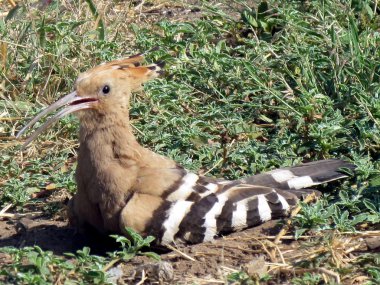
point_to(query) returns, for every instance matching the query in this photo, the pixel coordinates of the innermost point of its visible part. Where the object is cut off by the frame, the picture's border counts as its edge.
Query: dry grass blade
(188, 257)
(5, 208)
(16, 215)
(295, 211)
(143, 278)
(11, 119)
(12, 3)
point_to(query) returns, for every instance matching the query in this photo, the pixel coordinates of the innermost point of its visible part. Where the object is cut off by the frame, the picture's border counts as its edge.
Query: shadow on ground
(55, 236)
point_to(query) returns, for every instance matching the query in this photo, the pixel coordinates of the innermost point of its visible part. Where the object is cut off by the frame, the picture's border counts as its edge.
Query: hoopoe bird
(122, 184)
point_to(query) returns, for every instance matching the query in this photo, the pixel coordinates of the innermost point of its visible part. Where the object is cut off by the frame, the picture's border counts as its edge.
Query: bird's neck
(109, 140)
(113, 142)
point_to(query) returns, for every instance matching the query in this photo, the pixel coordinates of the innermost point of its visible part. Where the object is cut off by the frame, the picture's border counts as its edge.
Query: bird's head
(100, 92)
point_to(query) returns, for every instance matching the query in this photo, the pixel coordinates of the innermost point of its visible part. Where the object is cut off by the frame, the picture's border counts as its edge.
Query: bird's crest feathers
(132, 65)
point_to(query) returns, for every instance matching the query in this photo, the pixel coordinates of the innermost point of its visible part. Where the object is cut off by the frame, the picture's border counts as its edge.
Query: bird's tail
(295, 179)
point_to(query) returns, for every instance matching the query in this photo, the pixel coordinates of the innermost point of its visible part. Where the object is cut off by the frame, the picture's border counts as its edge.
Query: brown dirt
(214, 260)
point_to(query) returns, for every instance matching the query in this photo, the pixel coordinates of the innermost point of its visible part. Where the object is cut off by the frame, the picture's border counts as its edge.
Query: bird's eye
(106, 89)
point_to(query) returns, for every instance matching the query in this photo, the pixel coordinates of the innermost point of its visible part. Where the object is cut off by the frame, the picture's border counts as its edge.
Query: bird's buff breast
(105, 181)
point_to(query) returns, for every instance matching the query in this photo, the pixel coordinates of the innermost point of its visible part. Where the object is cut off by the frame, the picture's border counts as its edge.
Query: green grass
(282, 84)
(32, 265)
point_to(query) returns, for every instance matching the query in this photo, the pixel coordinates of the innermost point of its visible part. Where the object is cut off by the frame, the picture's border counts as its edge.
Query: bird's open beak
(72, 103)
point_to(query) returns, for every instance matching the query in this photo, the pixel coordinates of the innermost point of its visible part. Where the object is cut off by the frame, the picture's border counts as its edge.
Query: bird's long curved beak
(72, 103)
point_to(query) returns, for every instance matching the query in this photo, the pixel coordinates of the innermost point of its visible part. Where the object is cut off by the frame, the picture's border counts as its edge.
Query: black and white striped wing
(237, 208)
(198, 208)
(202, 208)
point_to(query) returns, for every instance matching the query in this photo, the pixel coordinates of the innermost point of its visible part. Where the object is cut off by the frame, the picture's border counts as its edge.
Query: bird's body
(122, 184)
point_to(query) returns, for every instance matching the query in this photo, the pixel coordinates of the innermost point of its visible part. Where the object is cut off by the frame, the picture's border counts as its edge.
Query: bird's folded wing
(194, 209)
(177, 205)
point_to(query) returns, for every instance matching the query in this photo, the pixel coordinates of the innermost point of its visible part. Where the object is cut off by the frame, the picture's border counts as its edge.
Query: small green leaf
(375, 182)
(249, 18)
(299, 232)
(152, 255)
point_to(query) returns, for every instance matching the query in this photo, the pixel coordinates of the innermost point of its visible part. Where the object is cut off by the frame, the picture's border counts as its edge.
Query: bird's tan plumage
(122, 184)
